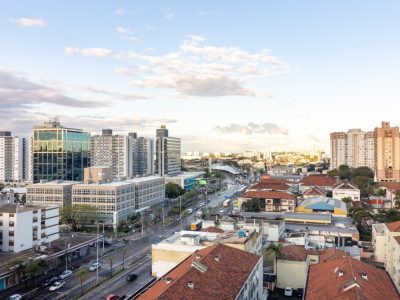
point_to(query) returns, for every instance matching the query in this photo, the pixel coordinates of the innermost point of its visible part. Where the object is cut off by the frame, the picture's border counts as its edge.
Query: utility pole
(103, 238)
(66, 256)
(97, 254)
(180, 210)
(162, 212)
(142, 223)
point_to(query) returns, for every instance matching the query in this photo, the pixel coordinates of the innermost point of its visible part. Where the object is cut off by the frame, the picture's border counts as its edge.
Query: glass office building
(59, 152)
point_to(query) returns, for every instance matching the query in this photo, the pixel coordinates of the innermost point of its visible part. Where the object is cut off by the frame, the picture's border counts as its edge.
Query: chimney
(340, 273)
(190, 284)
(364, 276)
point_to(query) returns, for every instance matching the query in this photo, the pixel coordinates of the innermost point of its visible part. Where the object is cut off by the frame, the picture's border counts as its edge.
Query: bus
(196, 225)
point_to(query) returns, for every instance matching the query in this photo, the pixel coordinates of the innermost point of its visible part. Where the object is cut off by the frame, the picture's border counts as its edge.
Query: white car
(65, 274)
(57, 285)
(15, 297)
(288, 291)
(94, 266)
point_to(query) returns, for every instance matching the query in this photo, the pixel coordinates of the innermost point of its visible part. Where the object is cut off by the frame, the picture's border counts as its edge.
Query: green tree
(276, 249)
(173, 190)
(347, 200)
(81, 274)
(254, 205)
(78, 215)
(397, 199)
(1, 186)
(19, 266)
(362, 171)
(344, 172)
(333, 173)
(34, 268)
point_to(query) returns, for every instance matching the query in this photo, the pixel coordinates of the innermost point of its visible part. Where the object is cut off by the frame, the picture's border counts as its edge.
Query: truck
(227, 202)
(196, 225)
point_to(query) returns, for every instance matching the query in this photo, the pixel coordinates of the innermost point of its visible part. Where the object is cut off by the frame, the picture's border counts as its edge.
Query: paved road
(133, 248)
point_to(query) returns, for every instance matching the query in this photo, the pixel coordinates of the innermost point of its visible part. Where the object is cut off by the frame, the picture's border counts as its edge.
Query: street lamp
(97, 254)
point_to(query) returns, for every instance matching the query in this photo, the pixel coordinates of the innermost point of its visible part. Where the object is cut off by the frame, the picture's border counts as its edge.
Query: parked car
(49, 281)
(94, 266)
(131, 277)
(65, 274)
(15, 297)
(299, 293)
(112, 297)
(57, 285)
(288, 291)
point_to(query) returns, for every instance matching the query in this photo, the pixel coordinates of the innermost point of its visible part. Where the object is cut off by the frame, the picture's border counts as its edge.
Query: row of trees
(254, 205)
(78, 215)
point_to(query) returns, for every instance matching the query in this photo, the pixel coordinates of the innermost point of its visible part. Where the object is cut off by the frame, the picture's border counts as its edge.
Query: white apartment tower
(14, 158)
(354, 148)
(168, 153)
(115, 151)
(143, 155)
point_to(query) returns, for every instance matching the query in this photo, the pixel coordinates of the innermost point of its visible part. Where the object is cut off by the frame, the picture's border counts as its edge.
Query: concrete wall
(291, 274)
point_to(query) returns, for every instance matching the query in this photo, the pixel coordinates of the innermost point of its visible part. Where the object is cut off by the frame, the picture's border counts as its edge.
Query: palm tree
(276, 249)
(81, 274)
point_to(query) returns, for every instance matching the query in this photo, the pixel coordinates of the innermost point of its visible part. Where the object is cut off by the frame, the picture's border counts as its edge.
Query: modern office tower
(143, 155)
(168, 153)
(354, 148)
(387, 152)
(14, 159)
(59, 152)
(108, 150)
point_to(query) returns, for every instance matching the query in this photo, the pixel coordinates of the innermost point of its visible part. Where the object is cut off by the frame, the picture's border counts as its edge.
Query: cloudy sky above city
(223, 75)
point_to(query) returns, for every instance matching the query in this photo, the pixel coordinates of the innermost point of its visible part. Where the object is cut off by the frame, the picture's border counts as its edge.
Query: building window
(11, 243)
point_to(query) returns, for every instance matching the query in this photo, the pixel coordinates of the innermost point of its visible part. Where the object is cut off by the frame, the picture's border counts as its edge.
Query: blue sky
(223, 75)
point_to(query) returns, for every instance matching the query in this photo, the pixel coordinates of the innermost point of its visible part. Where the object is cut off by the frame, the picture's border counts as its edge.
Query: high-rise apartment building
(115, 151)
(387, 152)
(143, 155)
(168, 153)
(14, 157)
(59, 152)
(354, 148)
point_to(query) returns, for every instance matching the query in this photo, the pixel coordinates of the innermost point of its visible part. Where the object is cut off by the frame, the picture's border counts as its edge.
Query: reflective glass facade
(60, 153)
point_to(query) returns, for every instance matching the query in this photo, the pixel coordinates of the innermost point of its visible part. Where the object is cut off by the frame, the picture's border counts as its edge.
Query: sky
(224, 76)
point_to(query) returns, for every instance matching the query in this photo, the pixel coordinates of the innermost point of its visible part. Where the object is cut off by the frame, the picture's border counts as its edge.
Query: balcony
(11, 224)
(34, 220)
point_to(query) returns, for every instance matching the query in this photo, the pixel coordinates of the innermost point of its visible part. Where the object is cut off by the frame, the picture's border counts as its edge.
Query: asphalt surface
(133, 248)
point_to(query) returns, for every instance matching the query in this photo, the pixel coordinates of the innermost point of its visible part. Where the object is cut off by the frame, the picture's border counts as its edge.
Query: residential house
(320, 180)
(346, 189)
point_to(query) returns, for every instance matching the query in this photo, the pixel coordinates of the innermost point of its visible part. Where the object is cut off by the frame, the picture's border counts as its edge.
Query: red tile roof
(315, 190)
(299, 253)
(213, 229)
(392, 186)
(269, 195)
(270, 186)
(345, 185)
(274, 180)
(319, 180)
(325, 283)
(227, 269)
(394, 226)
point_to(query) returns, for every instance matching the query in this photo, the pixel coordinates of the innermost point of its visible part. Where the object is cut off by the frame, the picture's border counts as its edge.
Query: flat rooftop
(12, 208)
(54, 182)
(187, 175)
(144, 179)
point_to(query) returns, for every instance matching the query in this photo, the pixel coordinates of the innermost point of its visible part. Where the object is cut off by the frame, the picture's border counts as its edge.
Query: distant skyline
(224, 76)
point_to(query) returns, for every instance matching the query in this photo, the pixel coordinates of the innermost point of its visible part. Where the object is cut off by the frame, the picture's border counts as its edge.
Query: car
(299, 293)
(288, 291)
(189, 210)
(131, 277)
(112, 297)
(56, 285)
(65, 274)
(49, 281)
(15, 297)
(221, 212)
(94, 266)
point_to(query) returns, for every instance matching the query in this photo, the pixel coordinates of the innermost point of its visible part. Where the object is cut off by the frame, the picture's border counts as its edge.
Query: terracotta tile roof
(394, 226)
(299, 253)
(324, 281)
(315, 190)
(274, 180)
(345, 185)
(269, 195)
(223, 278)
(319, 180)
(392, 186)
(213, 229)
(270, 186)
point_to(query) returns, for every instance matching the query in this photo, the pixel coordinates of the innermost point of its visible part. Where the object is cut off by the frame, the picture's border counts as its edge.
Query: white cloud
(149, 27)
(29, 22)
(127, 34)
(119, 12)
(201, 70)
(96, 52)
(114, 95)
(252, 128)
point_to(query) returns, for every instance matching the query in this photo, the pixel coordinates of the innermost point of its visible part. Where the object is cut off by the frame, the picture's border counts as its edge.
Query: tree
(1, 186)
(34, 268)
(344, 172)
(347, 200)
(17, 265)
(276, 249)
(78, 215)
(81, 274)
(362, 171)
(173, 190)
(397, 198)
(254, 205)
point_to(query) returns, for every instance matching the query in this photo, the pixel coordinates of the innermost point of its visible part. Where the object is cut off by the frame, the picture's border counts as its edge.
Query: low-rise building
(322, 205)
(215, 272)
(186, 180)
(274, 201)
(346, 189)
(386, 244)
(323, 181)
(149, 191)
(348, 278)
(56, 192)
(391, 189)
(23, 227)
(6, 197)
(315, 191)
(171, 251)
